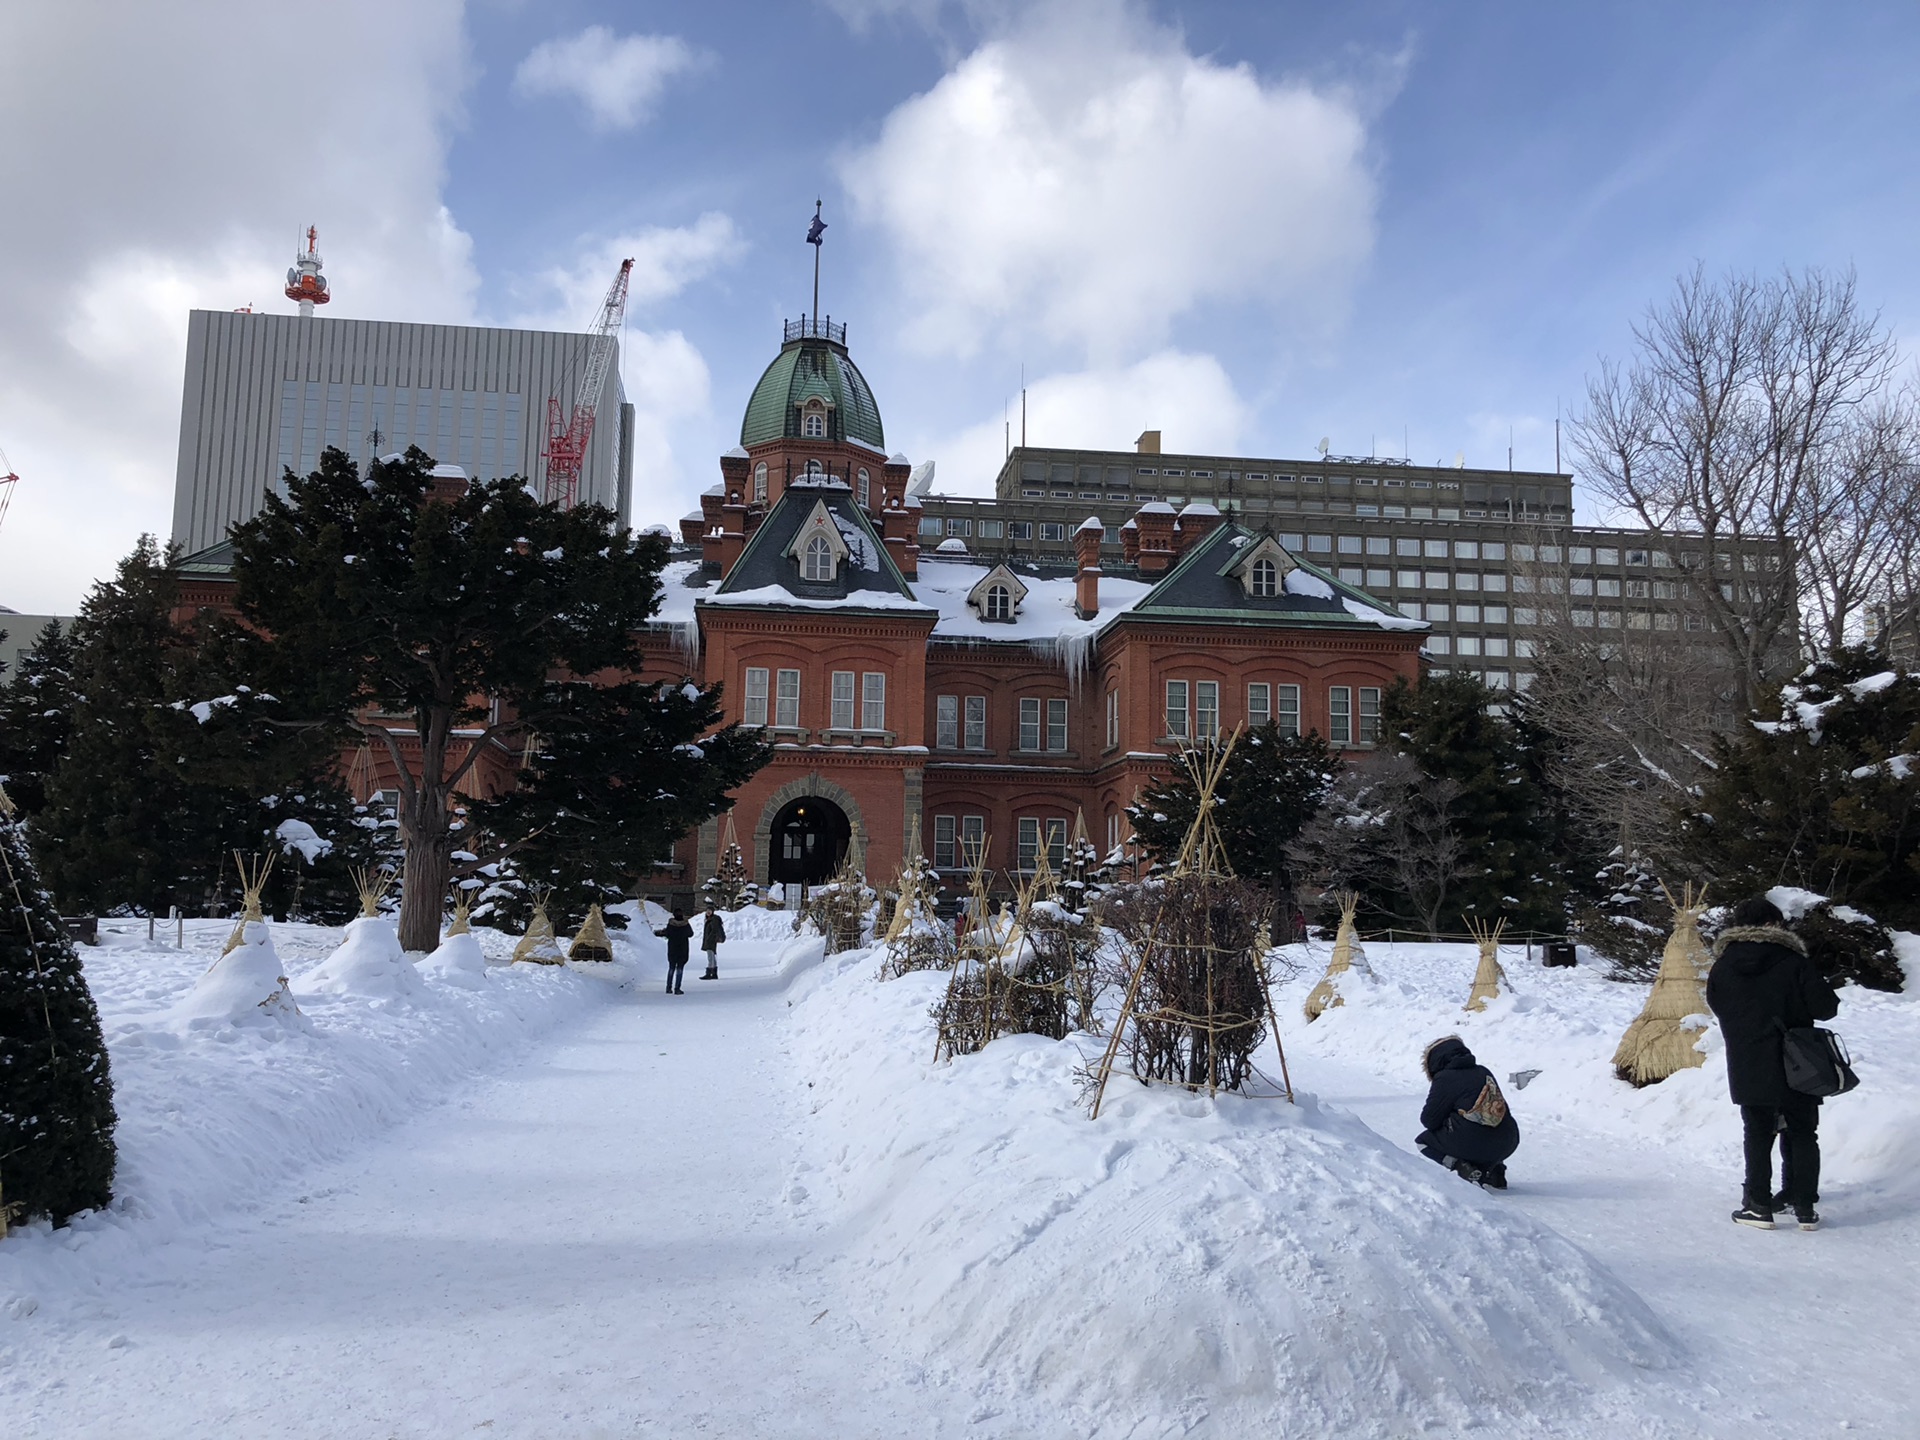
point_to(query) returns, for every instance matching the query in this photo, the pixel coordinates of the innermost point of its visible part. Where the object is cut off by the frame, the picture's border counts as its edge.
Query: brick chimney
(1130, 542)
(1086, 551)
(1156, 524)
(1197, 521)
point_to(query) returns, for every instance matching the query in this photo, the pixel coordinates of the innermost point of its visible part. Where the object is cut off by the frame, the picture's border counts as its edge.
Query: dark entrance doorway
(808, 841)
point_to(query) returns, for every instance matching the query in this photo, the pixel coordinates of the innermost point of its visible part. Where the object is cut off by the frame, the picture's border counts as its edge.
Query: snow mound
(369, 965)
(1265, 1267)
(459, 960)
(246, 985)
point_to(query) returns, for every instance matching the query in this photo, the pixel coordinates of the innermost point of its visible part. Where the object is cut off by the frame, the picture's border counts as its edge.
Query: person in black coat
(679, 937)
(1466, 1124)
(1761, 986)
(712, 933)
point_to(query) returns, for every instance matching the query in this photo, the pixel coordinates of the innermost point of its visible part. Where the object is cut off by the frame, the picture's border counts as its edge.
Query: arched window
(813, 468)
(819, 561)
(999, 603)
(1264, 577)
(864, 489)
(813, 425)
(760, 483)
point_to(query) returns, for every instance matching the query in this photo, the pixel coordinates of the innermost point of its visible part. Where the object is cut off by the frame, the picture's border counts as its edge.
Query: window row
(960, 723)
(960, 840)
(850, 708)
(1193, 711)
(933, 527)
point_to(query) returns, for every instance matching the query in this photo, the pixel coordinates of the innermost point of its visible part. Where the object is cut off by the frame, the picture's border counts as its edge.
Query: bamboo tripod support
(1201, 853)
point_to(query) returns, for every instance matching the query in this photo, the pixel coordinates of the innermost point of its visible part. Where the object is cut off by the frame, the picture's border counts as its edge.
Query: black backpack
(1817, 1061)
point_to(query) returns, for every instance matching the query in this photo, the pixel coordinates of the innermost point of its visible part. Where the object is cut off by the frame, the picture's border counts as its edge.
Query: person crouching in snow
(712, 933)
(679, 936)
(1467, 1126)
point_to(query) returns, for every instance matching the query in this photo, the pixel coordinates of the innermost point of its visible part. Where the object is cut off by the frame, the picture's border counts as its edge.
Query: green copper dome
(813, 366)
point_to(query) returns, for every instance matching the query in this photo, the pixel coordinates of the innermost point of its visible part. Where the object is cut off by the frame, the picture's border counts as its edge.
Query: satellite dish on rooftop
(1460, 460)
(1325, 444)
(921, 480)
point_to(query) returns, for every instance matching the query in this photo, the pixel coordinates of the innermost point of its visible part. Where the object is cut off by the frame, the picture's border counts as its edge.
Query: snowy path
(593, 1243)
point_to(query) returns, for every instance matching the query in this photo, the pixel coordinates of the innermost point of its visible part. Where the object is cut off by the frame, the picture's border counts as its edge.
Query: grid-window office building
(265, 393)
(1470, 551)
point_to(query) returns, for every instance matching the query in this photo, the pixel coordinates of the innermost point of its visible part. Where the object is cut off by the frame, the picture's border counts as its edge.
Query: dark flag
(817, 229)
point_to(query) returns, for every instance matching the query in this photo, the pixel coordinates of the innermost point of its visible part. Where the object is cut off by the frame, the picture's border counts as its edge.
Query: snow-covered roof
(1092, 522)
(953, 546)
(1155, 507)
(1201, 507)
(1046, 612)
(736, 453)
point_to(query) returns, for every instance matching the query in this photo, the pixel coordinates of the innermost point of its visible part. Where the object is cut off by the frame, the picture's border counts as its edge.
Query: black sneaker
(1758, 1219)
(1496, 1178)
(1472, 1174)
(1780, 1201)
(1808, 1219)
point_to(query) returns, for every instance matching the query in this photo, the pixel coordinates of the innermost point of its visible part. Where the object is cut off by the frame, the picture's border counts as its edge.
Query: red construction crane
(568, 435)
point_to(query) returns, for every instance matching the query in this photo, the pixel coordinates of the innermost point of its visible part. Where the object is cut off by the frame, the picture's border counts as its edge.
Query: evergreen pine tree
(56, 1093)
(1274, 784)
(1821, 792)
(1509, 840)
(36, 717)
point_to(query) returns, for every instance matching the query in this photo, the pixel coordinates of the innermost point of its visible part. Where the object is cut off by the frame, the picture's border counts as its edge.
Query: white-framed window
(1286, 709)
(754, 711)
(786, 699)
(1259, 704)
(813, 425)
(1019, 529)
(1436, 549)
(818, 559)
(1029, 724)
(760, 483)
(1051, 531)
(1028, 856)
(946, 721)
(1369, 715)
(863, 488)
(1265, 577)
(873, 700)
(993, 529)
(1113, 718)
(1056, 725)
(1177, 709)
(1439, 580)
(1340, 715)
(1056, 832)
(999, 603)
(842, 700)
(945, 833)
(973, 838)
(976, 717)
(959, 529)
(1113, 832)
(932, 527)
(1206, 709)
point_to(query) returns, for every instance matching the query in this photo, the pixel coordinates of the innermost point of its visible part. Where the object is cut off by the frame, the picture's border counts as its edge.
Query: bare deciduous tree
(1746, 403)
(1388, 832)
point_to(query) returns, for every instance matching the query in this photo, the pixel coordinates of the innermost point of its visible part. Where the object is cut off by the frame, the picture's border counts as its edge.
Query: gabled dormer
(998, 595)
(1261, 566)
(817, 547)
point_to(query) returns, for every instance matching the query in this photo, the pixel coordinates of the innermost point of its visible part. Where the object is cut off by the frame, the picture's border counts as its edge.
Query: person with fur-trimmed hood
(1762, 985)
(1466, 1125)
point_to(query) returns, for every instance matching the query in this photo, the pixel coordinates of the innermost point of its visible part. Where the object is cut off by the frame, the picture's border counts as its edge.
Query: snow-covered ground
(559, 1202)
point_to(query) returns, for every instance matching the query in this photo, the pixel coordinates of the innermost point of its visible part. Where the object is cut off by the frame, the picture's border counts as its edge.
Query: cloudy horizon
(1248, 229)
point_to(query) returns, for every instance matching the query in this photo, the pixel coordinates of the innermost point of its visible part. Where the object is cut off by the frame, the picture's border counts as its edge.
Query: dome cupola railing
(812, 327)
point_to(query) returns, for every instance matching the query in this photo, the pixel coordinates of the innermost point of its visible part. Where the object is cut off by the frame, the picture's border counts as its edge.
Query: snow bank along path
(759, 1210)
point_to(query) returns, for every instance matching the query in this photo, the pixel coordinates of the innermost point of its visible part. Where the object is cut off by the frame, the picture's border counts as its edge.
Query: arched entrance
(807, 841)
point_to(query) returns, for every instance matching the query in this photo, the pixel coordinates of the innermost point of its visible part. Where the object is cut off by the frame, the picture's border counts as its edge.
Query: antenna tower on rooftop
(305, 283)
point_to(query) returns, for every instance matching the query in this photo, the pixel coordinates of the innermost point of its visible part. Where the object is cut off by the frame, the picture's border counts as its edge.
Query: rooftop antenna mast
(305, 283)
(816, 237)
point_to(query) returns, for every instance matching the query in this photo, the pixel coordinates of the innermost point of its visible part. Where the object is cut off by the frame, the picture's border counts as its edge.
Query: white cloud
(666, 259)
(618, 79)
(1082, 178)
(179, 176)
(1188, 398)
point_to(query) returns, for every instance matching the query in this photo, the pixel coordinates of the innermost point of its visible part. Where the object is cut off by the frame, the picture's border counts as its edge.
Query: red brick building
(984, 699)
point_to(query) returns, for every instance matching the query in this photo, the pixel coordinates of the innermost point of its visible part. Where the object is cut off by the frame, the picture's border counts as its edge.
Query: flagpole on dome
(815, 233)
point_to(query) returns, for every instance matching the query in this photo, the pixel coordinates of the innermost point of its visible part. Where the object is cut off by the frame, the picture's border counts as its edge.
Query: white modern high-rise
(267, 393)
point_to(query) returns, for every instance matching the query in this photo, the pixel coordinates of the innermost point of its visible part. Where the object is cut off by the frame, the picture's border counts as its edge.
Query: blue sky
(1249, 226)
